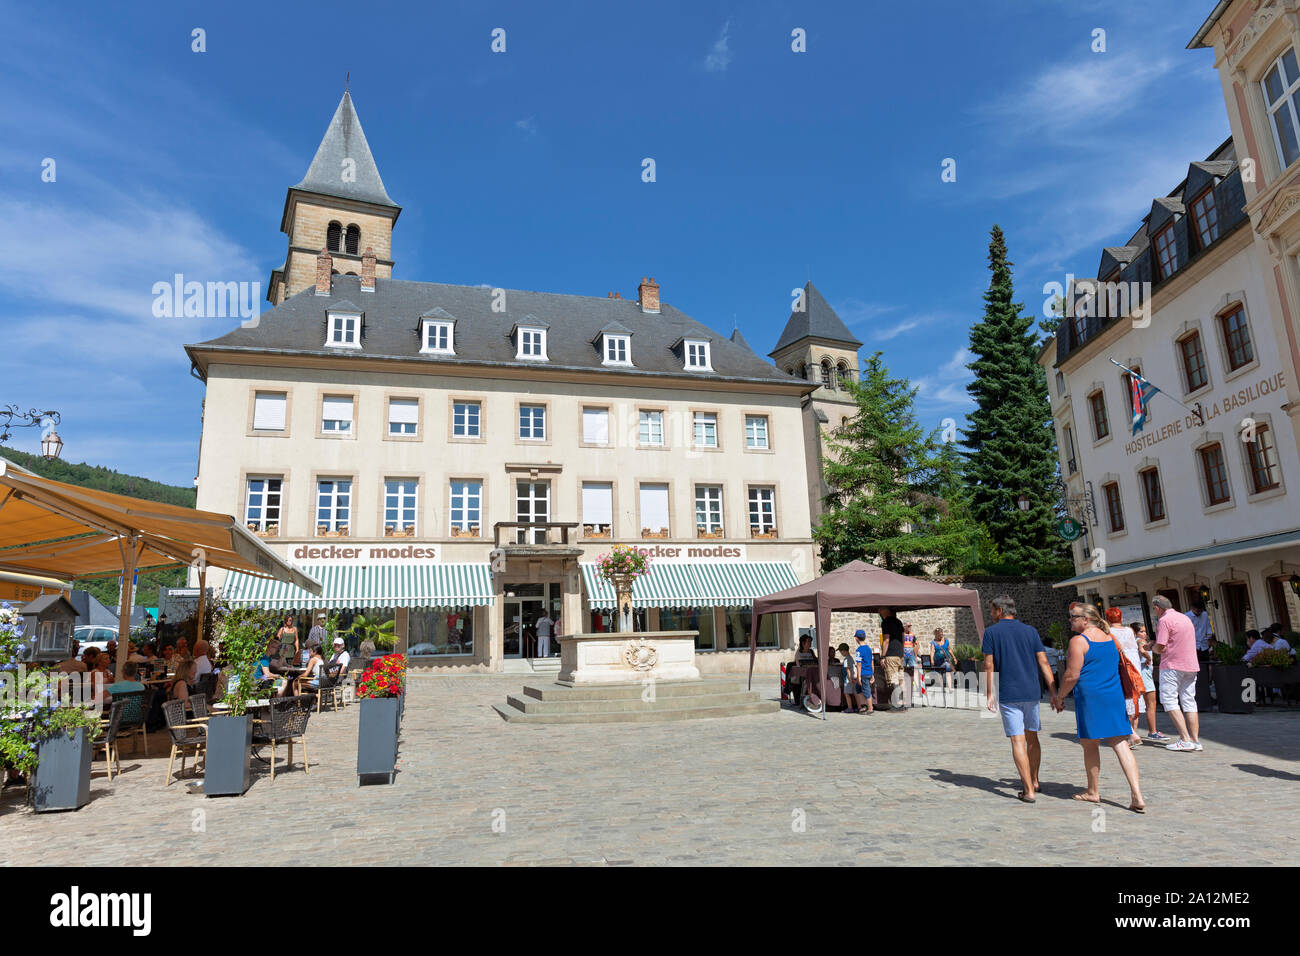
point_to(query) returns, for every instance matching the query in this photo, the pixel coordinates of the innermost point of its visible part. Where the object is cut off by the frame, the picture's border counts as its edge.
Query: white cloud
(528, 124)
(720, 56)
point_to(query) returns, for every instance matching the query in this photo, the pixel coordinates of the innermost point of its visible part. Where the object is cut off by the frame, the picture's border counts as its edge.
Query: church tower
(816, 345)
(340, 206)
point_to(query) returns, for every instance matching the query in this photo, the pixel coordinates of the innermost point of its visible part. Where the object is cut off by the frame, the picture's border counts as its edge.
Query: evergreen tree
(1011, 440)
(885, 476)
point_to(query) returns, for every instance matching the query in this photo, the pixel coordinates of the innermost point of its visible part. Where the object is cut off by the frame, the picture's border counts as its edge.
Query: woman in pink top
(1176, 644)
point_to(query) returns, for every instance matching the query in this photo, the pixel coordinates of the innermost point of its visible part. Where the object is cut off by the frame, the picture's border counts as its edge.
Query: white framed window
(532, 422)
(706, 430)
(708, 508)
(654, 510)
(762, 510)
(1281, 86)
(756, 431)
(532, 344)
(403, 416)
(466, 505)
(465, 420)
(336, 414)
(344, 330)
(598, 505)
(650, 428)
(1167, 251)
(400, 496)
(333, 505)
(438, 338)
(262, 503)
(269, 411)
(697, 355)
(595, 426)
(1206, 217)
(618, 349)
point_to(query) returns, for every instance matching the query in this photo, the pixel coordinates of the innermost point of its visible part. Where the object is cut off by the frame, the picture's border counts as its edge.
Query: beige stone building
(456, 458)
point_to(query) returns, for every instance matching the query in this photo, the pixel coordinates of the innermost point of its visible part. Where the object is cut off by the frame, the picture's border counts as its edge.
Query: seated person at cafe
(1255, 643)
(182, 649)
(805, 654)
(202, 659)
(338, 663)
(315, 666)
(133, 654)
(268, 670)
(182, 683)
(128, 683)
(169, 655)
(72, 665)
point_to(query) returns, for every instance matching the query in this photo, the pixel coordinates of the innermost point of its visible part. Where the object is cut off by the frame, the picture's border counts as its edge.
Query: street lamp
(51, 445)
(1294, 581)
(1023, 501)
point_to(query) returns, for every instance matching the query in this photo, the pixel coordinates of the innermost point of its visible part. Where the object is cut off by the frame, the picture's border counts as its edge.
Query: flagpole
(1195, 411)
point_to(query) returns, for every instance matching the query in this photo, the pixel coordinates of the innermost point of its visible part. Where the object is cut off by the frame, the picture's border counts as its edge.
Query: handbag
(1130, 678)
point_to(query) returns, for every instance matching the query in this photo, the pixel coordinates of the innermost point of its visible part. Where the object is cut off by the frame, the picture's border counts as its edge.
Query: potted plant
(1232, 684)
(970, 659)
(242, 641)
(621, 567)
(45, 735)
(380, 690)
(1272, 668)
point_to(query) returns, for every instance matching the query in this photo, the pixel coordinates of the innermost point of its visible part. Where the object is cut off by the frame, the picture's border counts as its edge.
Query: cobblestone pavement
(925, 787)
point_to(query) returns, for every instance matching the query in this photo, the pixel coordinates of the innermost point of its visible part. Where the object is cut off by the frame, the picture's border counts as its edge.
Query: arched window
(842, 372)
(354, 239)
(827, 379)
(334, 237)
(789, 371)
(803, 370)
(349, 273)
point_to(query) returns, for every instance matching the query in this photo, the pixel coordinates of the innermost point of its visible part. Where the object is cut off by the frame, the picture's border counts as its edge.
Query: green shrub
(968, 652)
(1229, 653)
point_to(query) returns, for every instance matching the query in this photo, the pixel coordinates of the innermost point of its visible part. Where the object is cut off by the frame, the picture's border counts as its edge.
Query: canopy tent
(52, 528)
(857, 586)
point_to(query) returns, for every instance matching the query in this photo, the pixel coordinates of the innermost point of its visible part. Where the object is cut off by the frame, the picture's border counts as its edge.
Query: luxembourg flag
(1140, 392)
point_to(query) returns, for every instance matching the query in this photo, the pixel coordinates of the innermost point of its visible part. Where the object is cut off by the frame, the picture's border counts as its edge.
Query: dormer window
(438, 338)
(697, 355)
(618, 349)
(1166, 251)
(531, 344)
(344, 330)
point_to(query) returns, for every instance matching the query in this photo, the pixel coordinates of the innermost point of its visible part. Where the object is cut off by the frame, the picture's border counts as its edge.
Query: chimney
(324, 265)
(648, 293)
(368, 270)
(615, 295)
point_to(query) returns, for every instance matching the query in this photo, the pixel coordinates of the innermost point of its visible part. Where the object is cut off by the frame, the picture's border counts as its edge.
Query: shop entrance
(522, 605)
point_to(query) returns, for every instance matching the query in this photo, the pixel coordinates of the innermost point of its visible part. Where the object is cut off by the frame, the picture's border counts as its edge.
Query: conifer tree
(1012, 446)
(885, 475)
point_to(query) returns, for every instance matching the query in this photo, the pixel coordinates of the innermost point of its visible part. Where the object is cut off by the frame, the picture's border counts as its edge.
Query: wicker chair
(133, 724)
(206, 686)
(109, 740)
(328, 688)
(287, 722)
(198, 707)
(186, 737)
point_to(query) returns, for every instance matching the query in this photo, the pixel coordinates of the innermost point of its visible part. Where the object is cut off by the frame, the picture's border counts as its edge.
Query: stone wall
(1037, 604)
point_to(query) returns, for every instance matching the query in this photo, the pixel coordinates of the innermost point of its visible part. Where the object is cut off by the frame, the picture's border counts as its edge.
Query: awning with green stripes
(378, 586)
(694, 585)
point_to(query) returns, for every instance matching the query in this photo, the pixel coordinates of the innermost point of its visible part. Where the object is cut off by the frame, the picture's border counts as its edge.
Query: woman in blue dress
(1092, 672)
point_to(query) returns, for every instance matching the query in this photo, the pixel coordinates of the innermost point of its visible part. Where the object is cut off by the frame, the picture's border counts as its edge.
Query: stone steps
(622, 703)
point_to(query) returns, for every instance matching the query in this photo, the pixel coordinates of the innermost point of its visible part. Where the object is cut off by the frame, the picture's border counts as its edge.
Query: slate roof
(345, 139)
(391, 329)
(817, 320)
(739, 339)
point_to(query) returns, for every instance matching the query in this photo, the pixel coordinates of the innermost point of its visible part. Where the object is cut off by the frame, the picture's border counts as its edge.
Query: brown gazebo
(857, 586)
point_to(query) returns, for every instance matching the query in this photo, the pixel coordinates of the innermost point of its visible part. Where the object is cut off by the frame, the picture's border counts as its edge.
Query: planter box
(647, 533)
(595, 531)
(1204, 678)
(969, 667)
(471, 532)
(701, 533)
(1228, 687)
(377, 738)
(225, 770)
(1275, 676)
(61, 780)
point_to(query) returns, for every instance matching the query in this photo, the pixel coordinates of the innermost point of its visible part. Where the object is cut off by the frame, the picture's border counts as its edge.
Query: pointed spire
(739, 339)
(816, 320)
(330, 173)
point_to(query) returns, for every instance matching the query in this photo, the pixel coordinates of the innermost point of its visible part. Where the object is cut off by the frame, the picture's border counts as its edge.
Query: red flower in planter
(385, 677)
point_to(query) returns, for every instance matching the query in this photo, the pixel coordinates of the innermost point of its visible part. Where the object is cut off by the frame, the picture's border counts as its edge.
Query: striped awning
(694, 585)
(377, 586)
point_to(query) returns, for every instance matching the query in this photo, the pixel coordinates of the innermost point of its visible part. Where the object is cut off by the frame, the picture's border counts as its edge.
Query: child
(851, 687)
(866, 673)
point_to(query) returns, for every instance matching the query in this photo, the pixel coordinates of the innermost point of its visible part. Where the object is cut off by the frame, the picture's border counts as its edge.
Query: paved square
(925, 787)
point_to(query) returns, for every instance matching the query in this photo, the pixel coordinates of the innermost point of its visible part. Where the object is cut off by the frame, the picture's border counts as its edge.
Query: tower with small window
(340, 206)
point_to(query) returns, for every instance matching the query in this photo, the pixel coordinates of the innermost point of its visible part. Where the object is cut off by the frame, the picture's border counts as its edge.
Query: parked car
(90, 635)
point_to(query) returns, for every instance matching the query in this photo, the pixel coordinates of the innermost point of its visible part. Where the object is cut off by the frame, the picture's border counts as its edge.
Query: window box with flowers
(702, 532)
(654, 532)
(381, 689)
(459, 532)
(391, 531)
(595, 531)
(755, 533)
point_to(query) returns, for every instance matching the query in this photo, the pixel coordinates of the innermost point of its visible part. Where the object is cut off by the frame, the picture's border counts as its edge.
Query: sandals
(1141, 809)
(1084, 799)
(1020, 795)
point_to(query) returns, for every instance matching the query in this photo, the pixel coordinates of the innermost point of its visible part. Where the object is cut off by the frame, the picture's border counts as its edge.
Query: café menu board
(1133, 607)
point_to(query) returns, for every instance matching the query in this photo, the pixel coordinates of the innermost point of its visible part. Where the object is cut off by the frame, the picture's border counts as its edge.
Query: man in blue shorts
(1015, 652)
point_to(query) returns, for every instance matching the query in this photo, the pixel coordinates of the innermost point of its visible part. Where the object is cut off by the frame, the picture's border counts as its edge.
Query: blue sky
(523, 169)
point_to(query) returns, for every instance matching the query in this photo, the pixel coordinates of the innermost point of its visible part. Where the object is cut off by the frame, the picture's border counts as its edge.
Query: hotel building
(1204, 501)
(455, 458)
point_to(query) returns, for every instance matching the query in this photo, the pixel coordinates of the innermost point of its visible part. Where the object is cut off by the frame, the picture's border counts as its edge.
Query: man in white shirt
(338, 664)
(544, 625)
(1201, 622)
(1259, 642)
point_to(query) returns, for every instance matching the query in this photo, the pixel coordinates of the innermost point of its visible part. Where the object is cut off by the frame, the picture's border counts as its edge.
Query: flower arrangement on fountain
(624, 563)
(385, 677)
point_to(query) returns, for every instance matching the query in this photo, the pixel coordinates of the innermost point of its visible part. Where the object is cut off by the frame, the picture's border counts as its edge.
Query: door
(522, 606)
(532, 506)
